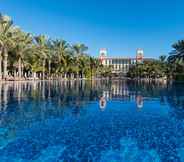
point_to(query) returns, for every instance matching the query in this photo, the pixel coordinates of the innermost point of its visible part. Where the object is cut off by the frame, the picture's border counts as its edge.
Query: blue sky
(121, 26)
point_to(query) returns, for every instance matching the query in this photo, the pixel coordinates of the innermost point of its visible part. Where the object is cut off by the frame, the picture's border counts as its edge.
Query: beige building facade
(121, 65)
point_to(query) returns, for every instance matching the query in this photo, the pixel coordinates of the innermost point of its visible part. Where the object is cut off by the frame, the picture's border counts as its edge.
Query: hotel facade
(121, 65)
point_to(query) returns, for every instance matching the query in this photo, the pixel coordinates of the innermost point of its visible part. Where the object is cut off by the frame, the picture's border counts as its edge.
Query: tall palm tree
(22, 45)
(6, 32)
(32, 60)
(94, 63)
(42, 51)
(1, 62)
(62, 50)
(79, 51)
(176, 60)
(162, 58)
(70, 65)
(177, 55)
(50, 55)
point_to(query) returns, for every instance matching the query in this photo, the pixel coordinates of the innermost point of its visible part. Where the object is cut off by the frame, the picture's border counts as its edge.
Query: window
(112, 61)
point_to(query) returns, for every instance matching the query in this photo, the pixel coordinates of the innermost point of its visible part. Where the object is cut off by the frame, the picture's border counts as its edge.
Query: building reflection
(120, 91)
(65, 93)
(139, 101)
(102, 103)
(48, 95)
(137, 92)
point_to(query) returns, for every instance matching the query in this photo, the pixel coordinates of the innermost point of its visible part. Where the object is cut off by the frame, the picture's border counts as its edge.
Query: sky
(121, 26)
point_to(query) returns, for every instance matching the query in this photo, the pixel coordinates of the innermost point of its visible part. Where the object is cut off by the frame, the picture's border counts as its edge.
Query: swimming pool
(81, 121)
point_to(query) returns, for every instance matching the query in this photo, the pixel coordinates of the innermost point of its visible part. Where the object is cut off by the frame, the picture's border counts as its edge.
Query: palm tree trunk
(78, 75)
(5, 96)
(19, 68)
(5, 62)
(15, 73)
(43, 72)
(1, 106)
(72, 76)
(0, 65)
(34, 75)
(49, 68)
(91, 72)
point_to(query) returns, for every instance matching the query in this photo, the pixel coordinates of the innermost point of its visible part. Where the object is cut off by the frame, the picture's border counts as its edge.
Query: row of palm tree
(25, 55)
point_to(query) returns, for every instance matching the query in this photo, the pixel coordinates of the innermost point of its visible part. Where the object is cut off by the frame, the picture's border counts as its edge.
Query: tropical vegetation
(171, 66)
(150, 69)
(176, 60)
(23, 55)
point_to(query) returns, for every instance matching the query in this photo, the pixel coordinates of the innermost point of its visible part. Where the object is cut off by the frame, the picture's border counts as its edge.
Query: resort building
(121, 65)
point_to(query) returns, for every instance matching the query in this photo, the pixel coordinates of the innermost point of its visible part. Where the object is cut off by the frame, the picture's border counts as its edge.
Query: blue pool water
(99, 121)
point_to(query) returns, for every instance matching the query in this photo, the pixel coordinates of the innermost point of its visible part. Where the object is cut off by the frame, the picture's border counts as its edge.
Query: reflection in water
(77, 93)
(139, 101)
(63, 118)
(76, 109)
(102, 103)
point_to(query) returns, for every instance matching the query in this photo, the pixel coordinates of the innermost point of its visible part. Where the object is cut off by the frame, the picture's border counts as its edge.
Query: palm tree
(79, 51)
(32, 61)
(50, 55)
(42, 51)
(83, 64)
(162, 58)
(23, 43)
(94, 65)
(1, 62)
(176, 60)
(70, 65)
(177, 55)
(62, 50)
(6, 32)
